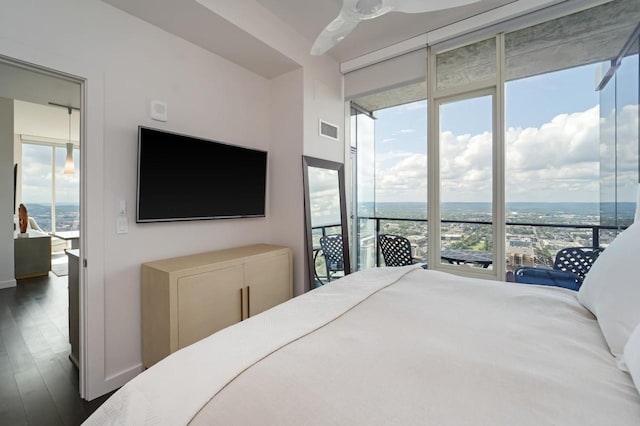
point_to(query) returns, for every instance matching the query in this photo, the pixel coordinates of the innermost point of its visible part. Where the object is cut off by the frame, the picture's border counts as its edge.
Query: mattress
(393, 346)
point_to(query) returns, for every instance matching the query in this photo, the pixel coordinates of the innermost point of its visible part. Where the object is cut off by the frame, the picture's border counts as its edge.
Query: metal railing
(595, 229)
(324, 228)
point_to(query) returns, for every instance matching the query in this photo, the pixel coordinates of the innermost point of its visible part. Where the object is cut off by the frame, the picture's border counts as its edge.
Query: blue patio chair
(569, 269)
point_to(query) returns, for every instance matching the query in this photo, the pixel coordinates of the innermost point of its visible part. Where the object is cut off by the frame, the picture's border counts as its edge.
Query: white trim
(434, 205)
(545, 10)
(433, 164)
(7, 284)
(499, 165)
(406, 46)
(120, 378)
(455, 93)
(92, 310)
(53, 189)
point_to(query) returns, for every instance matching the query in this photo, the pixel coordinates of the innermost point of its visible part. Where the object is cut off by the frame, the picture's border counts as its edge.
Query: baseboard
(115, 381)
(7, 284)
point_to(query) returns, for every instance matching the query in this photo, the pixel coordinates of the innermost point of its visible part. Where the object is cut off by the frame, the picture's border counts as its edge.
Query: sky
(37, 173)
(553, 129)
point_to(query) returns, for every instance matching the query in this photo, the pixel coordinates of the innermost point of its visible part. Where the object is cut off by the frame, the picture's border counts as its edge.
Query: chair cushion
(611, 289)
(550, 277)
(632, 356)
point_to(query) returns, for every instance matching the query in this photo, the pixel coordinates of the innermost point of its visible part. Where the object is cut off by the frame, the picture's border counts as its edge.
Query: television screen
(187, 178)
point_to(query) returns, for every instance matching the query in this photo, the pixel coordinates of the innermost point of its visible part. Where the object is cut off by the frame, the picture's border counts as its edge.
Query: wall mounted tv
(186, 178)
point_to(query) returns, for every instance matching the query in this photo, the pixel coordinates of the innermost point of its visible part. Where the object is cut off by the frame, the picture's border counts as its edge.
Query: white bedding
(393, 346)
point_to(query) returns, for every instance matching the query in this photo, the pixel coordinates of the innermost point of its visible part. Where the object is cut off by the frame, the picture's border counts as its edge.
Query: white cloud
(559, 161)
(324, 196)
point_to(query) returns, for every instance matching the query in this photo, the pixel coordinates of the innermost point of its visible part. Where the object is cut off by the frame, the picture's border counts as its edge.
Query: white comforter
(393, 346)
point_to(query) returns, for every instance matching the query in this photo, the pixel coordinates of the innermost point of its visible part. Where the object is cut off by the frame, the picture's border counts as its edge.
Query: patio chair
(569, 269)
(333, 255)
(396, 250)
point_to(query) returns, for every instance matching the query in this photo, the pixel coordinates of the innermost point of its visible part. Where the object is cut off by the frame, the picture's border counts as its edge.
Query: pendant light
(69, 169)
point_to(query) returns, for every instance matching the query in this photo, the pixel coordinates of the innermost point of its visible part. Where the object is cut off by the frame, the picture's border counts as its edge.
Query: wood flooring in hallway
(38, 382)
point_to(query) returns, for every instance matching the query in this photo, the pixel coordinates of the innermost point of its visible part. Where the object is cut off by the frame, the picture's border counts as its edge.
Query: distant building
(520, 252)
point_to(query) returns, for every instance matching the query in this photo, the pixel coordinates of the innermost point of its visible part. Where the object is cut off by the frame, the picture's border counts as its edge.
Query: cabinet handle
(241, 306)
(248, 302)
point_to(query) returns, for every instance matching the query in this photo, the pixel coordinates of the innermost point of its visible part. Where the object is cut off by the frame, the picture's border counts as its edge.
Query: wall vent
(328, 130)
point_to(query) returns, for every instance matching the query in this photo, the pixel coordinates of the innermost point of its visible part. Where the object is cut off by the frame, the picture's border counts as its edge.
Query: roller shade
(395, 72)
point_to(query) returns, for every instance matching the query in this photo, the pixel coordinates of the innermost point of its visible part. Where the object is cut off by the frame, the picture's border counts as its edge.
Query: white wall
(287, 132)
(323, 95)
(321, 98)
(207, 96)
(7, 271)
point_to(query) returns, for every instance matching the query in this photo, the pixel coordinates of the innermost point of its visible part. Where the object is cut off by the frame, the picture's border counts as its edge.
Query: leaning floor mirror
(325, 221)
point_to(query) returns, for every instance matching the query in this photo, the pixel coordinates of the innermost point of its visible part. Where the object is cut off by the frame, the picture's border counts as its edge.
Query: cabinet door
(209, 302)
(268, 282)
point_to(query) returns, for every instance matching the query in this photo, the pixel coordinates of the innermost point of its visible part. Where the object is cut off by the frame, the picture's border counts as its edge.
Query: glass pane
(366, 165)
(552, 164)
(627, 101)
(401, 161)
(415, 231)
(467, 64)
(365, 242)
(67, 193)
(36, 183)
(608, 204)
(466, 188)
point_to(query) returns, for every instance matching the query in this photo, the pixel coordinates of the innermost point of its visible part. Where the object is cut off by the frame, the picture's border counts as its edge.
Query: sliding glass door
(466, 147)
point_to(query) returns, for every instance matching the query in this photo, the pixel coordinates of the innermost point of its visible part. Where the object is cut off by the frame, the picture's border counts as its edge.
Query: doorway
(40, 324)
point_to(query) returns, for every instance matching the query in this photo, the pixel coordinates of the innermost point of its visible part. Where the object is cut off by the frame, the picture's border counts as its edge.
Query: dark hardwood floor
(38, 382)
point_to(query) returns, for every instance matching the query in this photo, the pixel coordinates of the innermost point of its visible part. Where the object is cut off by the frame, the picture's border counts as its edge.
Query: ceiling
(309, 17)
(193, 22)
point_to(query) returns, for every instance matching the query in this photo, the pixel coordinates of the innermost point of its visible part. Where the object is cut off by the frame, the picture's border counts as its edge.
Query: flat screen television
(187, 178)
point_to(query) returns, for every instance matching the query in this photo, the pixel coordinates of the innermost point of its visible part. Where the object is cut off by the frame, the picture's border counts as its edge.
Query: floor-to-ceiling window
(517, 147)
(619, 136)
(466, 180)
(465, 95)
(558, 131)
(52, 197)
(392, 178)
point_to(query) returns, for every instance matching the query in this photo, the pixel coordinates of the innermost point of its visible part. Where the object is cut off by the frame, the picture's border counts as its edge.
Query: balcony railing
(595, 229)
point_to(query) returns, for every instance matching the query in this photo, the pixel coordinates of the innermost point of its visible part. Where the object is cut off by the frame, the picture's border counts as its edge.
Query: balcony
(528, 244)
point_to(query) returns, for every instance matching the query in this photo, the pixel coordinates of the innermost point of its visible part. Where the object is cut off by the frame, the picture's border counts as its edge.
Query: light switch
(122, 223)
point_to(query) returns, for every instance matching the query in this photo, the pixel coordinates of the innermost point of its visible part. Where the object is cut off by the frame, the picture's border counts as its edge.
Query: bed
(393, 346)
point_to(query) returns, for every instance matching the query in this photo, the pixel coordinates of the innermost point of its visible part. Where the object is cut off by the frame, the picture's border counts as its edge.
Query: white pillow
(632, 356)
(611, 289)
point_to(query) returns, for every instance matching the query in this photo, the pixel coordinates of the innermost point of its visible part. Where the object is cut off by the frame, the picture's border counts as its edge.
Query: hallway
(38, 382)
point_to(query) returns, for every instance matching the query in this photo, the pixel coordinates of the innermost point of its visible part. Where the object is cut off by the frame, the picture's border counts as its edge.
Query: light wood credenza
(185, 299)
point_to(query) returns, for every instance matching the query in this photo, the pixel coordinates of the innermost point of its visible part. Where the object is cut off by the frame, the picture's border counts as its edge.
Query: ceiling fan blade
(422, 6)
(333, 33)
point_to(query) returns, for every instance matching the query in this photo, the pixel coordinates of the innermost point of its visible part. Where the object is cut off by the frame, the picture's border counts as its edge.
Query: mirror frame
(329, 165)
